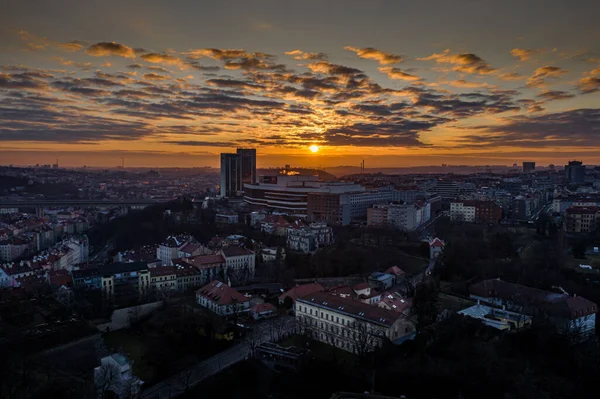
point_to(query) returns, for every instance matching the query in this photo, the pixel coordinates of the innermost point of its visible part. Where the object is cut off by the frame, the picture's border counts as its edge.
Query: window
(337, 319)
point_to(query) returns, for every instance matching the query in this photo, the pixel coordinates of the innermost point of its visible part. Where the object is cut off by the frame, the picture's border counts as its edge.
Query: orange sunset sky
(395, 83)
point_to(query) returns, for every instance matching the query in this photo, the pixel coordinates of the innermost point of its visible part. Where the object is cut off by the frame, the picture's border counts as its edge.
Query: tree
(425, 304)
(184, 380)
(579, 248)
(364, 338)
(253, 338)
(288, 302)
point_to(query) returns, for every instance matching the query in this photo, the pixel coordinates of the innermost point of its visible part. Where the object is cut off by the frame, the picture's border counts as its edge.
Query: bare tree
(279, 325)
(364, 338)
(107, 378)
(184, 379)
(134, 315)
(253, 339)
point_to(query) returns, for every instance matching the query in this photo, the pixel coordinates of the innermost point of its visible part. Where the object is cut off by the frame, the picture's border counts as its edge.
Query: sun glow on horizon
(314, 148)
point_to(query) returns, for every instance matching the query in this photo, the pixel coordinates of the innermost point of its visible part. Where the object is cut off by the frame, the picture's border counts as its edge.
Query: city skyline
(315, 85)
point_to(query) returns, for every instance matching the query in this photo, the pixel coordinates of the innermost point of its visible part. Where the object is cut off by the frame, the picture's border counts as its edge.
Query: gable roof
(236, 251)
(396, 271)
(560, 305)
(302, 290)
(352, 308)
(436, 242)
(221, 293)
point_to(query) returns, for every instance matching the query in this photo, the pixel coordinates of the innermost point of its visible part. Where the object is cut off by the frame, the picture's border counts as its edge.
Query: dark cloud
(155, 76)
(134, 66)
(110, 48)
(202, 143)
(334, 69)
(551, 95)
(573, 128)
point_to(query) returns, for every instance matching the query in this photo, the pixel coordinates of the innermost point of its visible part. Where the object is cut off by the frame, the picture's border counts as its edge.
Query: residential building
(332, 208)
(382, 281)
(446, 188)
(349, 324)
(395, 302)
(436, 247)
(567, 313)
(221, 299)
(211, 267)
(406, 217)
(175, 246)
(115, 374)
(88, 278)
(575, 172)
(239, 263)
(7, 281)
(582, 219)
(522, 207)
(301, 239)
(475, 211)
(192, 249)
(528, 167)
(164, 278)
(188, 277)
(122, 282)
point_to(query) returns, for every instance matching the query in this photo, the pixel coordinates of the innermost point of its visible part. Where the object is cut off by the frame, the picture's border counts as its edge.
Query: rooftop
(221, 293)
(121, 267)
(351, 307)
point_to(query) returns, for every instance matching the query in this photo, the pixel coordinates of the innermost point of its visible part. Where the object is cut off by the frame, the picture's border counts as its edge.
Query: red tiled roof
(354, 308)
(360, 286)
(436, 242)
(561, 305)
(221, 293)
(395, 302)
(236, 251)
(396, 271)
(190, 248)
(301, 291)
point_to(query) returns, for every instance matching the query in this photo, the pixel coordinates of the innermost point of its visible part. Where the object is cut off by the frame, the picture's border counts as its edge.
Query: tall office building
(248, 162)
(528, 167)
(575, 172)
(236, 170)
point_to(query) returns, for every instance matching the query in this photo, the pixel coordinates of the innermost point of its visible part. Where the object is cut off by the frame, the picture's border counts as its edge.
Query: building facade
(348, 324)
(579, 220)
(221, 299)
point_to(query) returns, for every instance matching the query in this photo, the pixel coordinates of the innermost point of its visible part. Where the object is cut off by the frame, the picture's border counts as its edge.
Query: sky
(396, 83)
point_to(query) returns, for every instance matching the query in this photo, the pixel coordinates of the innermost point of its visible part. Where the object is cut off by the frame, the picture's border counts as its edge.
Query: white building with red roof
(220, 298)
(239, 262)
(436, 247)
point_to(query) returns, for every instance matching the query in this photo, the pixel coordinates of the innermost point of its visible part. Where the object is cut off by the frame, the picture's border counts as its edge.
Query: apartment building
(125, 281)
(475, 211)
(239, 263)
(163, 278)
(349, 324)
(405, 217)
(582, 219)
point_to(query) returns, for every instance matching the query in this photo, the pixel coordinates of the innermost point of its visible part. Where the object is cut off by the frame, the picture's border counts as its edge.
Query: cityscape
(338, 200)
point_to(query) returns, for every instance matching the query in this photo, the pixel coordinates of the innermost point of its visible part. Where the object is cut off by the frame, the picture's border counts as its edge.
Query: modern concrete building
(237, 169)
(581, 219)
(528, 167)
(575, 172)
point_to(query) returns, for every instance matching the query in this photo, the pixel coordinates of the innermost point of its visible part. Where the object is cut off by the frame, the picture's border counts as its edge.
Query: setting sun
(314, 148)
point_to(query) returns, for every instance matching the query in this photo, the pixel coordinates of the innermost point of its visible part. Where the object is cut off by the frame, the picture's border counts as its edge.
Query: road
(185, 380)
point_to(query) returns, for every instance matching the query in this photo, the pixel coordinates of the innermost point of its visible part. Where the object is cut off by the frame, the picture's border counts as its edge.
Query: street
(185, 380)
